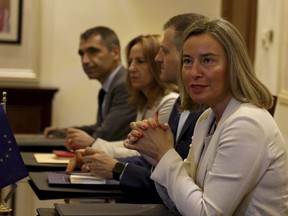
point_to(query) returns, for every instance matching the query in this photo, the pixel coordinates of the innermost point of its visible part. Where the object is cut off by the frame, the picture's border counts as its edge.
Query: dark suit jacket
(117, 113)
(138, 170)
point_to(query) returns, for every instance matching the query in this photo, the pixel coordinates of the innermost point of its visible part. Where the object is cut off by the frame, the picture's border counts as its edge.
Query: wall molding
(13, 76)
(283, 97)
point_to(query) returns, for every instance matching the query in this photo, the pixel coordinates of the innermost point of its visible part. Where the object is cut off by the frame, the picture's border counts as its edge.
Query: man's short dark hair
(180, 23)
(109, 37)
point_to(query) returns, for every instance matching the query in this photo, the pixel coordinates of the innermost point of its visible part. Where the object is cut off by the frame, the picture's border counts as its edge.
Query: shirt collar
(106, 85)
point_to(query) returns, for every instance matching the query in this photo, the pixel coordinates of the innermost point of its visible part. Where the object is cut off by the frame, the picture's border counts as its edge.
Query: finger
(136, 133)
(140, 125)
(90, 151)
(164, 126)
(67, 144)
(87, 159)
(85, 167)
(71, 165)
(127, 144)
(70, 131)
(153, 122)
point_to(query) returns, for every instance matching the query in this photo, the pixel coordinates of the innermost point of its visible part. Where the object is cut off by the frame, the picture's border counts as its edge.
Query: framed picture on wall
(10, 21)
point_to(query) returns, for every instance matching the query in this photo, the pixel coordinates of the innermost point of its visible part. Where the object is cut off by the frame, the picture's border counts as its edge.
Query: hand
(150, 138)
(99, 163)
(54, 132)
(76, 161)
(77, 139)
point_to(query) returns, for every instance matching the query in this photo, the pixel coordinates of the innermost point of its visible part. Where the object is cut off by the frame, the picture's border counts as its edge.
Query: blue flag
(12, 167)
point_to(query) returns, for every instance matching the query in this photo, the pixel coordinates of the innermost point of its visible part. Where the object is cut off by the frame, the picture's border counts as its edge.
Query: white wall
(271, 59)
(62, 23)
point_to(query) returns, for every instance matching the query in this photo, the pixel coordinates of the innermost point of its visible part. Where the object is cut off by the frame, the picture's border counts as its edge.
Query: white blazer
(243, 170)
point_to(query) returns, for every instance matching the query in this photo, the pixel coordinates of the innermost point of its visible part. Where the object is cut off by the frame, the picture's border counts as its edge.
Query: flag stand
(4, 210)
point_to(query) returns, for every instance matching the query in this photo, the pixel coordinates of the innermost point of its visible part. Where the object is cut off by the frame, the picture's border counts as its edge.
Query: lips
(134, 77)
(197, 88)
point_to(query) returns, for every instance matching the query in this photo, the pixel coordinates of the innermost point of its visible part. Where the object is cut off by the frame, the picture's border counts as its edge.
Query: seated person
(238, 159)
(99, 50)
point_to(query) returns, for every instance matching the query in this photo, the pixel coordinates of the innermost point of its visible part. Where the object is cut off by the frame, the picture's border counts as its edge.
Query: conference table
(38, 143)
(93, 209)
(33, 166)
(29, 144)
(40, 185)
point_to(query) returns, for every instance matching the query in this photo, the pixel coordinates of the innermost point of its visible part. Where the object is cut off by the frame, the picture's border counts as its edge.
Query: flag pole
(4, 100)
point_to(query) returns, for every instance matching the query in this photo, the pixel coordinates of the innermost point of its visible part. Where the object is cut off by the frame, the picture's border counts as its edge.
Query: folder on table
(91, 209)
(80, 180)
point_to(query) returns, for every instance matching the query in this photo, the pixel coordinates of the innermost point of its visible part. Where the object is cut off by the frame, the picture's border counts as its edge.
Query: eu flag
(12, 167)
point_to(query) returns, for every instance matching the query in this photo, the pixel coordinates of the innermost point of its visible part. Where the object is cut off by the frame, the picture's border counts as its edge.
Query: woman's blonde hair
(151, 46)
(243, 83)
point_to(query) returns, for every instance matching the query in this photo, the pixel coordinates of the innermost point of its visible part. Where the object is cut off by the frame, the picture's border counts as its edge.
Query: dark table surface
(108, 192)
(47, 212)
(39, 183)
(38, 143)
(106, 209)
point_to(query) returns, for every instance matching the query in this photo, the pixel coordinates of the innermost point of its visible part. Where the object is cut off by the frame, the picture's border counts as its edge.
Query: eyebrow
(202, 55)
(88, 49)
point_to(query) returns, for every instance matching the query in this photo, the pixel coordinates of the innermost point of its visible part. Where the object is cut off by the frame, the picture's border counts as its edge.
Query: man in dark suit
(99, 50)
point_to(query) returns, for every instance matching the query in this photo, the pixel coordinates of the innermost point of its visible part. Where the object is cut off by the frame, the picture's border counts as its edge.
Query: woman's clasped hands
(151, 138)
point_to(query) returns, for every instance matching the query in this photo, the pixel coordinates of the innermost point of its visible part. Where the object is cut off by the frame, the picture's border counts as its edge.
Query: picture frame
(10, 21)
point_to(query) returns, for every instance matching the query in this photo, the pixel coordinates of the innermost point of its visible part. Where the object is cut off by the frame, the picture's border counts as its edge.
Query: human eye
(186, 61)
(129, 62)
(207, 60)
(92, 51)
(140, 61)
(164, 50)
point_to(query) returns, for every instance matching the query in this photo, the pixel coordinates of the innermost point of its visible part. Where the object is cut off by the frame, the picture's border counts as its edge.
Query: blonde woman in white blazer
(238, 162)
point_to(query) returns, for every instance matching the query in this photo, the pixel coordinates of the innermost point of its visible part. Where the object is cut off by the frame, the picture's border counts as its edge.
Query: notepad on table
(50, 158)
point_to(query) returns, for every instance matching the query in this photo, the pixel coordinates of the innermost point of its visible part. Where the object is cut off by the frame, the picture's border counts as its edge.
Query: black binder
(111, 209)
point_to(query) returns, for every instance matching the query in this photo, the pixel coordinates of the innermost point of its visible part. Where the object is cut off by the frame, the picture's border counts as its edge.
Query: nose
(131, 66)
(196, 70)
(159, 57)
(85, 59)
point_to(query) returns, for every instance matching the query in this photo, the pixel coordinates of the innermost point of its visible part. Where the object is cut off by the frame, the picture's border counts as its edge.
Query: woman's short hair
(243, 83)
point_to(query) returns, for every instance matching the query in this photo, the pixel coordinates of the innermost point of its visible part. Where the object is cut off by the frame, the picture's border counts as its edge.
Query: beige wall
(63, 21)
(271, 55)
(47, 56)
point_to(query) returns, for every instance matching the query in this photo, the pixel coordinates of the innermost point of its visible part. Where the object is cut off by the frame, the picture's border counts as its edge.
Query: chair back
(272, 109)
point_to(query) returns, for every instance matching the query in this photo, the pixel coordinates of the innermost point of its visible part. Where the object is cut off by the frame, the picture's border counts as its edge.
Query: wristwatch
(117, 170)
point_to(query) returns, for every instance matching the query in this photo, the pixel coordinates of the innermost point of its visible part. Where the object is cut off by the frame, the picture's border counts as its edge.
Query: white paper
(50, 158)
(85, 178)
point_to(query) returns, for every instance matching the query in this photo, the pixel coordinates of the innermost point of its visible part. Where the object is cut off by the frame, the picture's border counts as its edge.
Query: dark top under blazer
(117, 114)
